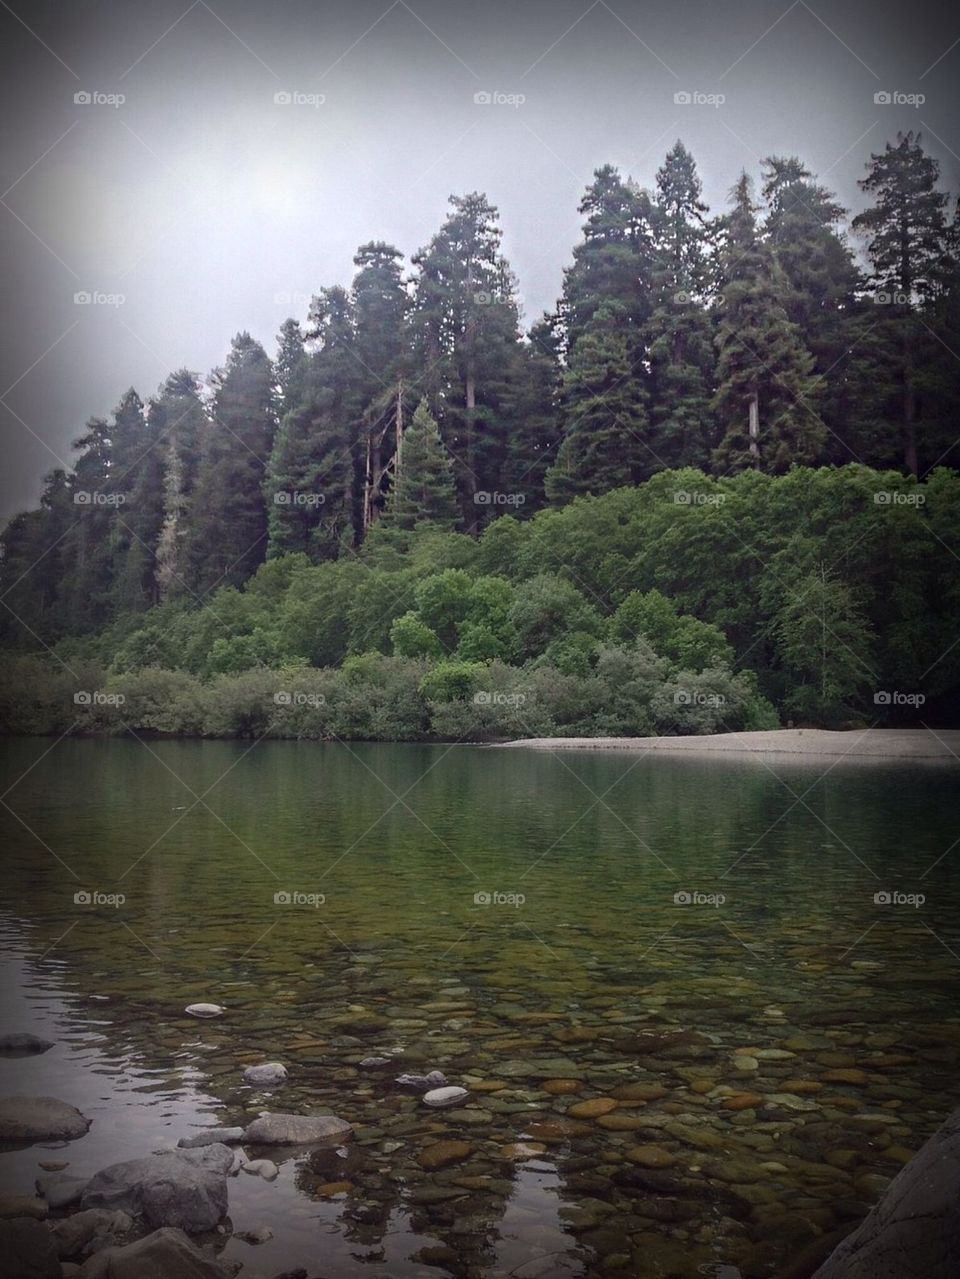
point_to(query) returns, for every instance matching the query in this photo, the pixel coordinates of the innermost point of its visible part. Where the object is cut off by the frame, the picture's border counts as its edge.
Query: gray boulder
(40, 1119)
(182, 1188)
(295, 1130)
(60, 1189)
(23, 1044)
(27, 1250)
(914, 1231)
(210, 1137)
(166, 1254)
(270, 1073)
(84, 1233)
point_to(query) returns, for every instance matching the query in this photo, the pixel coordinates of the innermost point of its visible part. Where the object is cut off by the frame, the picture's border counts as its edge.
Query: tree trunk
(909, 411)
(754, 427)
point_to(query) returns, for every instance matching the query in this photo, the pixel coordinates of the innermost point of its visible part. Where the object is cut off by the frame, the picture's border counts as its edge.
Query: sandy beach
(942, 745)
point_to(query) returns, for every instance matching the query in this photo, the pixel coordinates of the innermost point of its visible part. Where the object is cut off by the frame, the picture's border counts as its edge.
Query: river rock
(205, 1010)
(23, 1206)
(294, 1130)
(440, 1154)
(651, 1157)
(422, 1083)
(545, 1068)
(269, 1074)
(439, 1097)
(61, 1190)
(211, 1137)
(262, 1234)
(40, 1119)
(264, 1168)
(915, 1228)
(186, 1189)
(166, 1254)
(23, 1044)
(27, 1250)
(592, 1108)
(83, 1233)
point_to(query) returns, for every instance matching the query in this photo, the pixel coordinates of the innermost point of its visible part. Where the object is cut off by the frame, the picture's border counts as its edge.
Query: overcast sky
(211, 208)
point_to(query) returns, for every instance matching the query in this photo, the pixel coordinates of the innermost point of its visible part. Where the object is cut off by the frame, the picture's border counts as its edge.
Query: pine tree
(681, 353)
(181, 425)
(466, 333)
(906, 234)
(535, 386)
(228, 520)
(35, 565)
(605, 424)
(139, 466)
(424, 491)
(764, 398)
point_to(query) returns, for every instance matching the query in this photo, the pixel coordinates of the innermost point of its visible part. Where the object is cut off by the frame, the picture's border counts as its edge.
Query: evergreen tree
(228, 521)
(764, 398)
(424, 491)
(181, 425)
(536, 379)
(139, 466)
(35, 566)
(290, 367)
(605, 423)
(466, 333)
(907, 239)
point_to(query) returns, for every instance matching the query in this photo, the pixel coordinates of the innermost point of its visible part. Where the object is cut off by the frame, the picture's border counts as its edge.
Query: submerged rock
(83, 1233)
(23, 1044)
(270, 1073)
(422, 1083)
(294, 1130)
(22, 1206)
(40, 1119)
(264, 1168)
(166, 1254)
(60, 1189)
(211, 1137)
(182, 1188)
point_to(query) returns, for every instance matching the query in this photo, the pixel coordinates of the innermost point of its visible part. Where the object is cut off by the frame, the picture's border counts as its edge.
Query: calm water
(598, 976)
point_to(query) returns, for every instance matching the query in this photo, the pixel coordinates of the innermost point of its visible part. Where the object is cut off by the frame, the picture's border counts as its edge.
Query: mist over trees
(761, 338)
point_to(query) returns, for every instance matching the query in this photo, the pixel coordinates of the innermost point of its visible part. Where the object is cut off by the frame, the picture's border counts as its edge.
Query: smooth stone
(211, 1137)
(561, 1087)
(849, 1075)
(60, 1189)
(374, 1063)
(619, 1121)
(262, 1234)
(182, 1188)
(205, 1010)
(40, 1119)
(270, 1073)
(28, 1250)
(83, 1233)
(165, 1254)
(332, 1189)
(702, 1138)
(548, 1068)
(264, 1168)
(592, 1108)
(650, 1157)
(23, 1044)
(788, 1101)
(23, 1206)
(743, 1101)
(440, 1097)
(746, 1063)
(294, 1130)
(639, 1092)
(53, 1165)
(443, 1153)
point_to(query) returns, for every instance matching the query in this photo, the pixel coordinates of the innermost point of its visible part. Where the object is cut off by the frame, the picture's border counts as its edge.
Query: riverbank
(942, 745)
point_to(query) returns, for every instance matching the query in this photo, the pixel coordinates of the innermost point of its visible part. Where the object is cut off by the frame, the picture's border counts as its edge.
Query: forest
(714, 489)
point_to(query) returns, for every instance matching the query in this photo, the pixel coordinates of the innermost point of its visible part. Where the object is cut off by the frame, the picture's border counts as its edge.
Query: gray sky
(210, 207)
